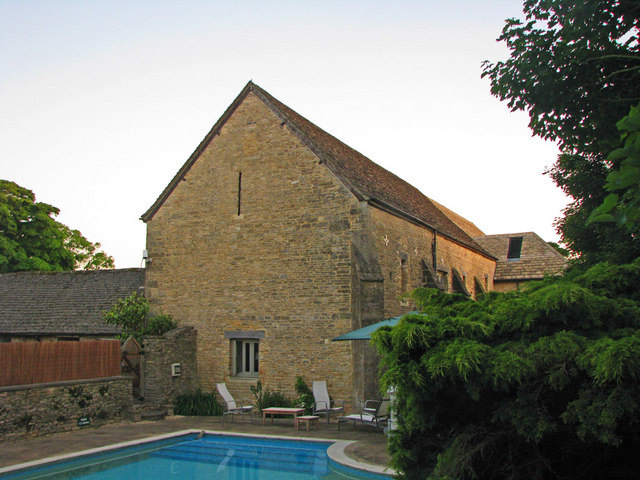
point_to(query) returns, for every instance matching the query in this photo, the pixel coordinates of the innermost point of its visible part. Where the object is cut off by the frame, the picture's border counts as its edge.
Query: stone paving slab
(370, 446)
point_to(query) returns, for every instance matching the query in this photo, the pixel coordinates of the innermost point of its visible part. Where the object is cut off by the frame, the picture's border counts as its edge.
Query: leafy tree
(575, 68)
(31, 239)
(561, 250)
(132, 315)
(540, 383)
(623, 206)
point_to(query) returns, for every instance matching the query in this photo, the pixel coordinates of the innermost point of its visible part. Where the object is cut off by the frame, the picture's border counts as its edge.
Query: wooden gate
(132, 364)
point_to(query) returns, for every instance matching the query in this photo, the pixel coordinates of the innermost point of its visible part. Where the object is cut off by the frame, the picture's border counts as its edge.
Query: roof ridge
(508, 234)
(75, 272)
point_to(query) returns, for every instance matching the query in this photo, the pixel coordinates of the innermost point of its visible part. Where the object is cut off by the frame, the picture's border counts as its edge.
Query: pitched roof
(63, 303)
(469, 227)
(537, 257)
(365, 179)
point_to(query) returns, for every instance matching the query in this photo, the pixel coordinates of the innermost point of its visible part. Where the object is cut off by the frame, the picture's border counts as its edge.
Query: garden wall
(160, 352)
(38, 409)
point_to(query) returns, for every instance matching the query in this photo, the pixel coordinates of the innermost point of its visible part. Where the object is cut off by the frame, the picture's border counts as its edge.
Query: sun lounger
(322, 402)
(375, 413)
(231, 407)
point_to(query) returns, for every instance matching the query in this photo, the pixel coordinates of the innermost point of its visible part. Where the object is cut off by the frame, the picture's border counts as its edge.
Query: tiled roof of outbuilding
(63, 303)
(364, 178)
(537, 257)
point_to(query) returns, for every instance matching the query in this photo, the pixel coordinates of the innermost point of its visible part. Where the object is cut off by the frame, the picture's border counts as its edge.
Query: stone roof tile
(63, 303)
(369, 180)
(537, 257)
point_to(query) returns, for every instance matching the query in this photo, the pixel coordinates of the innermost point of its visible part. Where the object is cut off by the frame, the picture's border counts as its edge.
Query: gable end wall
(282, 267)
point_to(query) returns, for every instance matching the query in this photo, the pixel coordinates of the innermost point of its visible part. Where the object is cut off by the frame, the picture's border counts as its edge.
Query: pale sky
(101, 102)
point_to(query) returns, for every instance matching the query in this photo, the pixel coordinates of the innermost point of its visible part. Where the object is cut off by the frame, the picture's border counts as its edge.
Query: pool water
(210, 457)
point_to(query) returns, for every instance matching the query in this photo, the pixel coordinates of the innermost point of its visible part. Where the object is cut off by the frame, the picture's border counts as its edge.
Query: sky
(101, 102)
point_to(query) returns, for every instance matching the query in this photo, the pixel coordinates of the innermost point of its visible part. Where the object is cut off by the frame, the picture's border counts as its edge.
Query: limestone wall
(257, 238)
(56, 407)
(403, 246)
(160, 352)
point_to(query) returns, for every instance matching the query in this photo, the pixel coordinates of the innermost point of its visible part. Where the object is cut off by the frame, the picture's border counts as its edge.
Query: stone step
(154, 414)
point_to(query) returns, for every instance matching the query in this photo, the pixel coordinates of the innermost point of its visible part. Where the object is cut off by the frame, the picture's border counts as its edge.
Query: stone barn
(275, 237)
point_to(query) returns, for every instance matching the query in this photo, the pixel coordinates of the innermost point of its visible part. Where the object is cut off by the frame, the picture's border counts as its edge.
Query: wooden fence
(23, 363)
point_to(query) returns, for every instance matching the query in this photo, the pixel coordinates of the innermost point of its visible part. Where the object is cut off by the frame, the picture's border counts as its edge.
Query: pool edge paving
(335, 451)
(370, 446)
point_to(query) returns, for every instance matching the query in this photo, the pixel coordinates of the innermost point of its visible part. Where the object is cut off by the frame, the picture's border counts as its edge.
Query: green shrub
(159, 324)
(132, 315)
(539, 383)
(305, 396)
(197, 403)
(266, 397)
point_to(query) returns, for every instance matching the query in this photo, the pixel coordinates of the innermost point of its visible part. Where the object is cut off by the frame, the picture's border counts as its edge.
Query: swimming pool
(210, 456)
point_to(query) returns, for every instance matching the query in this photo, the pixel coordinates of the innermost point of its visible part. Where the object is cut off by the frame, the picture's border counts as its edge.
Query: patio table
(281, 411)
(307, 420)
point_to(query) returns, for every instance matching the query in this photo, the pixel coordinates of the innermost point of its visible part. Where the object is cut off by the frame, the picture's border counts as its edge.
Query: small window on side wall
(245, 352)
(246, 359)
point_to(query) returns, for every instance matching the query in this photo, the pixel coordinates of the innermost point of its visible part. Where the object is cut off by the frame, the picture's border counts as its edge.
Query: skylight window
(515, 248)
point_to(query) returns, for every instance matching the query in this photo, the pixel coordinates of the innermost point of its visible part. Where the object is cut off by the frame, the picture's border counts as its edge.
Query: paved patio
(370, 446)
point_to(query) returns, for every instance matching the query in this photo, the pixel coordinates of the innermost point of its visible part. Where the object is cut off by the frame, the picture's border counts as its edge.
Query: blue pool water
(210, 457)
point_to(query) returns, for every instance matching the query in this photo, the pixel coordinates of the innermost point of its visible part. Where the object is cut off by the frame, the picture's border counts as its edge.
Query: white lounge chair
(375, 413)
(231, 407)
(322, 402)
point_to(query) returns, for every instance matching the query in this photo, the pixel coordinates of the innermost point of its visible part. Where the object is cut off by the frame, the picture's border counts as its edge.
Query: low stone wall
(43, 408)
(160, 352)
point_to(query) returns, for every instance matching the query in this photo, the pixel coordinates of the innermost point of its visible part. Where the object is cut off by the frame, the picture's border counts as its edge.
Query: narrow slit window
(404, 276)
(239, 192)
(515, 248)
(444, 280)
(255, 357)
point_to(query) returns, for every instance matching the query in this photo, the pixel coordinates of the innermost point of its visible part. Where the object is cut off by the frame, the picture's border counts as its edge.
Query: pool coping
(335, 452)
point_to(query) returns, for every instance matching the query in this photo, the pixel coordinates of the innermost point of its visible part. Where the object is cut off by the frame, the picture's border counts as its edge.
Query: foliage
(575, 68)
(305, 396)
(31, 239)
(197, 403)
(623, 207)
(540, 383)
(561, 250)
(159, 324)
(266, 397)
(584, 181)
(132, 315)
